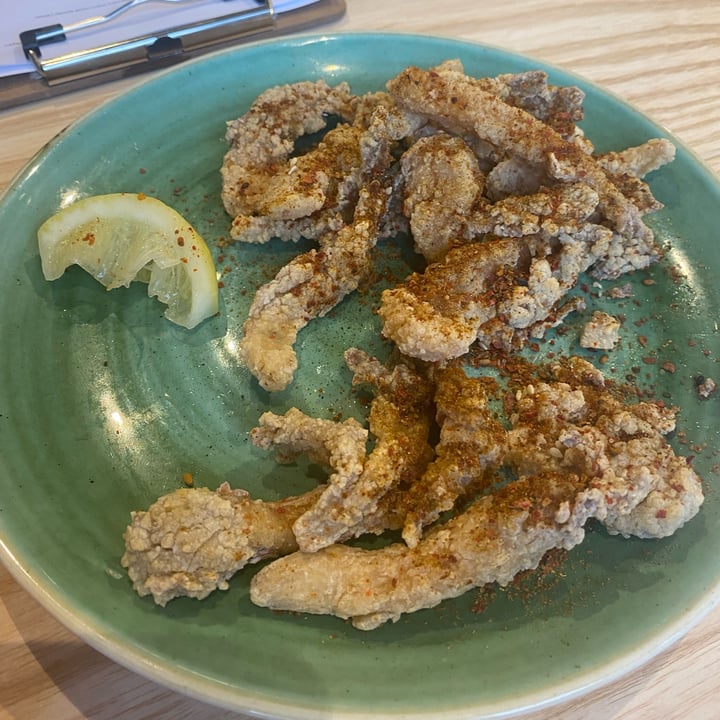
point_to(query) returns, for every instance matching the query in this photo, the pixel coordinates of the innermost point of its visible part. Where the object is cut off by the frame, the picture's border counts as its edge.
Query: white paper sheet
(153, 16)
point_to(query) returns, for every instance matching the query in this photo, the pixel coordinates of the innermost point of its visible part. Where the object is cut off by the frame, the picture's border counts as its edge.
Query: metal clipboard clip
(143, 50)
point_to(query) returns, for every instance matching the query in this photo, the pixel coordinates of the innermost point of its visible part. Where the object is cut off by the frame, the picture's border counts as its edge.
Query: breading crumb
(705, 387)
(601, 332)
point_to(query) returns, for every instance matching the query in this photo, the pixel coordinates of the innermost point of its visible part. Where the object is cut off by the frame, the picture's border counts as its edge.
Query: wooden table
(662, 56)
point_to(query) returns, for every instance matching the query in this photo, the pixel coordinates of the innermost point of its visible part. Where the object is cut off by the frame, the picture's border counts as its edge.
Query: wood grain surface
(661, 56)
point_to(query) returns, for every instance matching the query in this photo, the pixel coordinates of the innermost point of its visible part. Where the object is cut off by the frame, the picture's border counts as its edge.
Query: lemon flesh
(123, 237)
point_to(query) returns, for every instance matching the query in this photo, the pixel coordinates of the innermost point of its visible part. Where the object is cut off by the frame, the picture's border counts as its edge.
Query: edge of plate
(218, 694)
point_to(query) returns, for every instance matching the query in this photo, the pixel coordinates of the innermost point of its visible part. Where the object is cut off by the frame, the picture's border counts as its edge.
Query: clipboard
(145, 53)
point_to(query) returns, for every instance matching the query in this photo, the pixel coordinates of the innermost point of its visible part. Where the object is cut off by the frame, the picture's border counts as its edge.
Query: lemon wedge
(122, 237)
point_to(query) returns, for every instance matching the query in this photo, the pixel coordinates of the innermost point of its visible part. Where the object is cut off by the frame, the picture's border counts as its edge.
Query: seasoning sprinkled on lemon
(124, 237)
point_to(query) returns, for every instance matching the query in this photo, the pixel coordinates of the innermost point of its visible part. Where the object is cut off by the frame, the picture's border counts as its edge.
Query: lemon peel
(124, 237)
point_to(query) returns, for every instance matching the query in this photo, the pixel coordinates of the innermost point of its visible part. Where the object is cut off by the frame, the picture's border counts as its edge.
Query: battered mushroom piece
(443, 188)
(574, 423)
(551, 211)
(675, 499)
(312, 191)
(436, 315)
(497, 537)
(312, 284)
(399, 420)
(601, 332)
(575, 213)
(560, 107)
(495, 292)
(309, 286)
(627, 168)
(262, 139)
(191, 541)
(469, 447)
(339, 446)
(442, 183)
(261, 229)
(321, 183)
(638, 160)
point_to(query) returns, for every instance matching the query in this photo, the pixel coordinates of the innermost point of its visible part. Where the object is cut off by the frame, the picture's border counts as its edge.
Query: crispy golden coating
(399, 421)
(442, 182)
(505, 198)
(470, 445)
(320, 185)
(497, 537)
(627, 168)
(339, 446)
(316, 281)
(455, 160)
(309, 286)
(192, 541)
(562, 209)
(577, 449)
(263, 139)
(456, 103)
(494, 293)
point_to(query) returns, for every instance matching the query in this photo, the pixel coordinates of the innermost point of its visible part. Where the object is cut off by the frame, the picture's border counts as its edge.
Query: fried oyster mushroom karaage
(508, 203)
(313, 283)
(577, 452)
(461, 163)
(192, 541)
(517, 256)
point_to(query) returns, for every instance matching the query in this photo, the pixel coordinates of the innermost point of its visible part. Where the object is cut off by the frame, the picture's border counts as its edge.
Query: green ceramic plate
(104, 405)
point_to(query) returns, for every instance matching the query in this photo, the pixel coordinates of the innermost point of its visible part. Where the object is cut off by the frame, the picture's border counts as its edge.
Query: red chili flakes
(642, 339)
(668, 367)
(187, 479)
(661, 514)
(649, 360)
(89, 238)
(484, 596)
(142, 171)
(181, 241)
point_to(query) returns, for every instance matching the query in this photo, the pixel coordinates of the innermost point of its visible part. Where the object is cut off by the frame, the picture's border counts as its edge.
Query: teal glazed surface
(104, 405)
